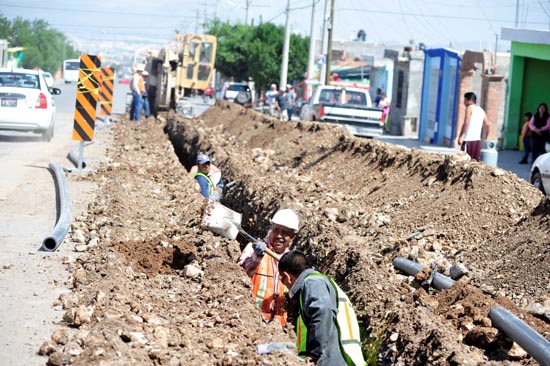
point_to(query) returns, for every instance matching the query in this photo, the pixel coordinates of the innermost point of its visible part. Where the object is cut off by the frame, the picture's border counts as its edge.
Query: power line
(544, 9)
(373, 29)
(404, 20)
(172, 15)
(455, 17)
(485, 15)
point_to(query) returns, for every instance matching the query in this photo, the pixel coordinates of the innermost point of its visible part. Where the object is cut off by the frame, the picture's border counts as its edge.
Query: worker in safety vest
(326, 326)
(138, 89)
(208, 188)
(268, 291)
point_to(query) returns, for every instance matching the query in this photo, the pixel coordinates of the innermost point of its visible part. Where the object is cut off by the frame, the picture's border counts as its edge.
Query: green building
(529, 79)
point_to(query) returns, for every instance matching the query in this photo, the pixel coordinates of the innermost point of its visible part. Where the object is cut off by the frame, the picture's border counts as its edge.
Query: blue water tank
(489, 153)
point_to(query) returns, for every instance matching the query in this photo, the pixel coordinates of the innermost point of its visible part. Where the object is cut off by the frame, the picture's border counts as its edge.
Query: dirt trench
(155, 289)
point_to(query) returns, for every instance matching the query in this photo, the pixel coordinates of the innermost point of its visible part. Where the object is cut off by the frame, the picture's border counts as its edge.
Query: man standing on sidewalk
(475, 119)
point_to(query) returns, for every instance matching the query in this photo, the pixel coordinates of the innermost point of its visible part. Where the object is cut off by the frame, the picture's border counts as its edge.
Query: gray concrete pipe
(439, 281)
(521, 333)
(52, 241)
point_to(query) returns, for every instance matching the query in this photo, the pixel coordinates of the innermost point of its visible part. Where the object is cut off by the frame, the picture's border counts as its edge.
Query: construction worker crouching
(208, 188)
(268, 291)
(327, 332)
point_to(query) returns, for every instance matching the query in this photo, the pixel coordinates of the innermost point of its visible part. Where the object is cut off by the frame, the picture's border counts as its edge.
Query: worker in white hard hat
(138, 88)
(268, 291)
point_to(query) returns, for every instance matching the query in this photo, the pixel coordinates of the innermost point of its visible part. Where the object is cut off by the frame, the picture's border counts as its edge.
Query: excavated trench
(361, 204)
(352, 235)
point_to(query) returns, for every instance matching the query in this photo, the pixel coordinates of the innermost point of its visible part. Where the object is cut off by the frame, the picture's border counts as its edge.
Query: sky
(472, 24)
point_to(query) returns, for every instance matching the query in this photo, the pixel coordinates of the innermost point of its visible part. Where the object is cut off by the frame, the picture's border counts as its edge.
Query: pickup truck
(349, 107)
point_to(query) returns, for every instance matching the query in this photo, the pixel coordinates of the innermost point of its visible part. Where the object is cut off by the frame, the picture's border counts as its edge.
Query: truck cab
(349, 107)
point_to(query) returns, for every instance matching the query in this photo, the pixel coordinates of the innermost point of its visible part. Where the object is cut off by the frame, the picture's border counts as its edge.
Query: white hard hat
(140, 67)
(145, 73)
(287, 218)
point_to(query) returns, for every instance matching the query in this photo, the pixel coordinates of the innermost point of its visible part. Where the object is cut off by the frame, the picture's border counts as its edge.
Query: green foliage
(372, 343)
(256, 51)
(45, 47)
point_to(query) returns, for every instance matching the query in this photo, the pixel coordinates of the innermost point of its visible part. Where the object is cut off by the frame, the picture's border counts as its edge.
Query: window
(19, 80)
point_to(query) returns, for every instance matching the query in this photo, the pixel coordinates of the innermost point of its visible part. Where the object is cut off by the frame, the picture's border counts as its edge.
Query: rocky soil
(156, 289)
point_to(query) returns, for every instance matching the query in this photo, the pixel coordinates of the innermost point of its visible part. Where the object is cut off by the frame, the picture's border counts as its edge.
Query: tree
(256, 51)
(45, 47)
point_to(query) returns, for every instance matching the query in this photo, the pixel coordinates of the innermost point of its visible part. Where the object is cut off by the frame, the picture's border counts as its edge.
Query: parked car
(49, 79)
(540, 173)
(26, 102)
(349, 107)
(237, 92)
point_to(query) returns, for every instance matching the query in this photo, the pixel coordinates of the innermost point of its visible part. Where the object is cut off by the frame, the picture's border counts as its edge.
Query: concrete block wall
(491, 90)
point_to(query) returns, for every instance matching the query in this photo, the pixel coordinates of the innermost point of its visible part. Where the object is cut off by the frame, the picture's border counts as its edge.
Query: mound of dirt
(156, 289)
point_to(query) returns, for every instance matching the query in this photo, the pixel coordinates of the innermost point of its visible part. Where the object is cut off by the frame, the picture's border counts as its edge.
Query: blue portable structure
(438, 108)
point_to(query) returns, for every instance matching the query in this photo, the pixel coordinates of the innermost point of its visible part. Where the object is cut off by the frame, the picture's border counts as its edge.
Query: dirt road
(155, 289)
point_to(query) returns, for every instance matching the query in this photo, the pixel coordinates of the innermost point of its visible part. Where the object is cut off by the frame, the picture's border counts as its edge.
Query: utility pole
(329, 48)
(246, 14)
(311, 55)
(517, 13)
(197, 22)
(284, 66)
(324, 42)
(496, 50)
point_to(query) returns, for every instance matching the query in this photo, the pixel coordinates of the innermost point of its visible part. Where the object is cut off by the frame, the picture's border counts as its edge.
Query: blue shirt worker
(207, 186)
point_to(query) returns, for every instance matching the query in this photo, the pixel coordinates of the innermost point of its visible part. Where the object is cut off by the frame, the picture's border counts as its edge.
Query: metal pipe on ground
(439, 281)
(521, 333)
(73, 154)
(52, 241)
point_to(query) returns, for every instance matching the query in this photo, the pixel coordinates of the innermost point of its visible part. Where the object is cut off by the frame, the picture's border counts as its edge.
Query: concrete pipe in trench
(439, 281)
(52, 241)
(521, 333)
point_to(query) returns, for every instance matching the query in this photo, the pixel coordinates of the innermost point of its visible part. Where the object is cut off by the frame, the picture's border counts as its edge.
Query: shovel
(227, 223)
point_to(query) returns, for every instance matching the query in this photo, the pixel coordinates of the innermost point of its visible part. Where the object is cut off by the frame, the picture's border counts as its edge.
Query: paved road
(30, 280)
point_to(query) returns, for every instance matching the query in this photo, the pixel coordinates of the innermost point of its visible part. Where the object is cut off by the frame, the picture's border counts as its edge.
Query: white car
(49, 79)
(26, 102)
(237, 92)
(540, 173)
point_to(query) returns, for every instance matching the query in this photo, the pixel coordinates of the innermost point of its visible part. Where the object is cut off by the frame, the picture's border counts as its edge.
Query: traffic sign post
(86, 102)
(106, 91)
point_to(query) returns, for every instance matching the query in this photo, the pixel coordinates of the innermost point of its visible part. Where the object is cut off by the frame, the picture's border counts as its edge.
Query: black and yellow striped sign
(86, 98)
(106, 91)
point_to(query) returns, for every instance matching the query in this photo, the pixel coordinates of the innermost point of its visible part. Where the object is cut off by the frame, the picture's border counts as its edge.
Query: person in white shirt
(475, 119)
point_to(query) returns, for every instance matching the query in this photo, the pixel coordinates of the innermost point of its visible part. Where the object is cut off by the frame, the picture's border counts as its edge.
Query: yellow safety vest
(346, 323)
(210, 183)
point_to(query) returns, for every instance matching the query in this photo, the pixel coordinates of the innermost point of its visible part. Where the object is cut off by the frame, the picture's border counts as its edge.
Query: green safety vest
(210, 183)
(346, 323)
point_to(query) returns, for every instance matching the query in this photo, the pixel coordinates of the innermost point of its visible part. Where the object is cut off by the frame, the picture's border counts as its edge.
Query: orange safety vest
(141, 86)
(268, 290)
